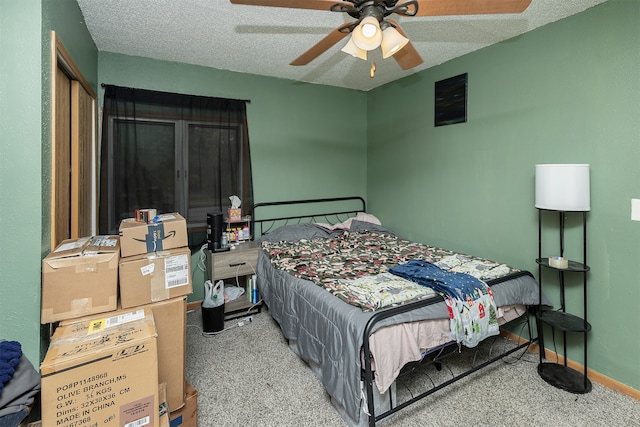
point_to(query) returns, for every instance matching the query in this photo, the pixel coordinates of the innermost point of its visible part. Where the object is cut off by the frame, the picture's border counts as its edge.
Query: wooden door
(61, 167)
(73, 207)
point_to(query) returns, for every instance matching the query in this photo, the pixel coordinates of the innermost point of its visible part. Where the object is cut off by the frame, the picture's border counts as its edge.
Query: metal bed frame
(279, 221)
(367, 372)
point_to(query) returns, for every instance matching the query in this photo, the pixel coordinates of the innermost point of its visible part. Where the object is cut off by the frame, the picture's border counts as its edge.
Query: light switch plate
(635, 209)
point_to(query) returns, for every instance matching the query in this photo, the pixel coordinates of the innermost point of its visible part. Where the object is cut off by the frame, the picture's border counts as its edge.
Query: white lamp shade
(563, 187)
(354, 50)
(367, 35)
(392, 41)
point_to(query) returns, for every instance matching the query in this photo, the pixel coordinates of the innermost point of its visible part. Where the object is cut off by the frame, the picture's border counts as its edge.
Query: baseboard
(593, 375)
(193, 305)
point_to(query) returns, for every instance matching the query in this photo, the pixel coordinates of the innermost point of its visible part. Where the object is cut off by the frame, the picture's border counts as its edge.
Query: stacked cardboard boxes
(155, 271)
(169, 317)
(94, 281)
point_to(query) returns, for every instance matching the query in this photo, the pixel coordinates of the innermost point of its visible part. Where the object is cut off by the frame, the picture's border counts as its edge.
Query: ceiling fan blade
(469, 7)
(407, 57)
(294, 4)
(322, 46)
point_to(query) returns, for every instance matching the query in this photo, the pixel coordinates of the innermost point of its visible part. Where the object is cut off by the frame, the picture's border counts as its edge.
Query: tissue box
(235, 214)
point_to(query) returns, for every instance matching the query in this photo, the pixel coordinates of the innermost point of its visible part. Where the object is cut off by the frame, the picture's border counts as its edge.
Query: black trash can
(213, 318)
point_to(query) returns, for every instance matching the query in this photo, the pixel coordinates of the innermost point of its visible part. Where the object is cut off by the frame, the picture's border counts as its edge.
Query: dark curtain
(161, 140)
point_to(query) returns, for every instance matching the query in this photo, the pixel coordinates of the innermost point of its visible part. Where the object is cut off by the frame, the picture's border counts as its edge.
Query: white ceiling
(264, 40)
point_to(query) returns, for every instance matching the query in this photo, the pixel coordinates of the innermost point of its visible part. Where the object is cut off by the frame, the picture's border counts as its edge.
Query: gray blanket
(329, 332)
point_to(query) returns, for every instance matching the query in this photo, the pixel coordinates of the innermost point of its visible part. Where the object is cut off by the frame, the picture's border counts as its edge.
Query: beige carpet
(247, 376)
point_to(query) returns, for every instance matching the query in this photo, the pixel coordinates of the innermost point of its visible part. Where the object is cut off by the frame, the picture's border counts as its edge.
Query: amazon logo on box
(168, 231)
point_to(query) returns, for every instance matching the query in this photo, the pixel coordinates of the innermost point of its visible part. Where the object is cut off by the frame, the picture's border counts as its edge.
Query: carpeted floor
(247, 376)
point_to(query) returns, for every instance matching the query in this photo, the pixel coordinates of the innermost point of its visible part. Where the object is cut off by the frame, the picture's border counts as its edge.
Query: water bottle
(255, 296)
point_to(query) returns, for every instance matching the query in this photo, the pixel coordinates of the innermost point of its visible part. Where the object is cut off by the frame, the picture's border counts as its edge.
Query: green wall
(565, 93)
(25, 152)
(20, 170)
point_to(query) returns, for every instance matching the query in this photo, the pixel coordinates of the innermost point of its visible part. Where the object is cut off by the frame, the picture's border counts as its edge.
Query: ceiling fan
(372, 28)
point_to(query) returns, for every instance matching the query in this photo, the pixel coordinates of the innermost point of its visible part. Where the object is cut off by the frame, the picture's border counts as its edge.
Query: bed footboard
(373, 404)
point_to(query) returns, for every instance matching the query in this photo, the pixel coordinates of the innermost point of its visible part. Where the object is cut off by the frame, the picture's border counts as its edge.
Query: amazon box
(154, 277)
(79, 278)
(102, 372)
(168, 231)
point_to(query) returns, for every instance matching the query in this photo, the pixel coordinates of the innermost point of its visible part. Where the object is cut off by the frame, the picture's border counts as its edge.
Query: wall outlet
(635, 209)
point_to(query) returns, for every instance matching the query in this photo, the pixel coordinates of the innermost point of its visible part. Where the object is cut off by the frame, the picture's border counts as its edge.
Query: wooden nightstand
(235, 267)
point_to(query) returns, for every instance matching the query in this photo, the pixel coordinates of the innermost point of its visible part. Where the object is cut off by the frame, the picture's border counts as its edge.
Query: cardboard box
(187, 416)
(169, 232)
(170, 318)
(155, 277)
(79, 278)
(163, 408)
(102, 373)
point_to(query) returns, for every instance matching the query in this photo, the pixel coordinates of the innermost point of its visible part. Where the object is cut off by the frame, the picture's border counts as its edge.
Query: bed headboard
(268, 216)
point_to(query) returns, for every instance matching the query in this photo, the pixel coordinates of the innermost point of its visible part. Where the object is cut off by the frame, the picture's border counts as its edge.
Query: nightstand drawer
(237, 262)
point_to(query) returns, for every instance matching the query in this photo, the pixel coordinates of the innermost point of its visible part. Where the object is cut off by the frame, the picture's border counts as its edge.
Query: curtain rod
(248, 101)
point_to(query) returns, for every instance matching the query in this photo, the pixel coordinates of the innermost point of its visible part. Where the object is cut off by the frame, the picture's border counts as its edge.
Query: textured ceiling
(264, 40)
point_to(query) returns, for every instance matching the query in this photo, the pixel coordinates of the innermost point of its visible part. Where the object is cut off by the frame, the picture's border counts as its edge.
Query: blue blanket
(10, 353)
(472, 311)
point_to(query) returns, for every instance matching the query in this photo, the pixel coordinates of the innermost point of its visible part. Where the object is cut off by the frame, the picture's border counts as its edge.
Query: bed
(343, 289)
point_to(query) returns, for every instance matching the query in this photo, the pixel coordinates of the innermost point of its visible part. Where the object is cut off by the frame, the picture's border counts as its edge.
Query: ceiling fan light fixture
(392, 41)
(367, 35)
(354, 50)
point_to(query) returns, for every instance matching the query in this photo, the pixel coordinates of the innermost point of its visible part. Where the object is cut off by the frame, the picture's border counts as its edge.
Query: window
(174, 158)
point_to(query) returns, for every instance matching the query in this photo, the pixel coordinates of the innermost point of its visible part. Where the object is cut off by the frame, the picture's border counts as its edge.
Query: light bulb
(367, 35)
(369, 30)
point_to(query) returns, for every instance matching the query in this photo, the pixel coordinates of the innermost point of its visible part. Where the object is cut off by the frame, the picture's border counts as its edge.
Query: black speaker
(214, 231)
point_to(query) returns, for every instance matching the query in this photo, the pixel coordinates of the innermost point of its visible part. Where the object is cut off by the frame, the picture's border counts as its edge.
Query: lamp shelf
(565, 378)
(573, 265)
(564, 321)
(558, 374)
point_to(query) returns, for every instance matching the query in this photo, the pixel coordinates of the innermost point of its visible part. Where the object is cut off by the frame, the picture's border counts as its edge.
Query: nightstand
(235, 267)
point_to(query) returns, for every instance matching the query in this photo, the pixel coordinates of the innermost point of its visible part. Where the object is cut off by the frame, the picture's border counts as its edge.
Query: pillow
(346, 225)
(294, 232)
(362, 226)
